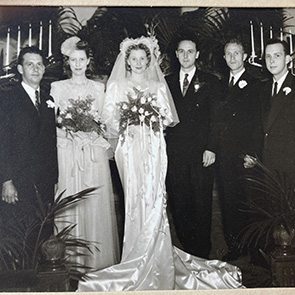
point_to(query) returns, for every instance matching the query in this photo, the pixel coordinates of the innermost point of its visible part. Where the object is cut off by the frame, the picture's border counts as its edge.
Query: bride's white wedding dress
(149, 260)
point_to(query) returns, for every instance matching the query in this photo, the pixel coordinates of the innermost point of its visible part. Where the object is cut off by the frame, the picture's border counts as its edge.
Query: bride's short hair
(137, 47)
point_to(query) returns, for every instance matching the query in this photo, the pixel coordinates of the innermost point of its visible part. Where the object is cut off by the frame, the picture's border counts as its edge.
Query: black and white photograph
(147, 148)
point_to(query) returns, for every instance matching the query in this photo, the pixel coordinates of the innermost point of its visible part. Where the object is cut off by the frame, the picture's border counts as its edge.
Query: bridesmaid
(82, 157)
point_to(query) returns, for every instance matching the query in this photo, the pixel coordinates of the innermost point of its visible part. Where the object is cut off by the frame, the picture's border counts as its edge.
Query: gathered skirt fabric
(149, 260)
(83, 163)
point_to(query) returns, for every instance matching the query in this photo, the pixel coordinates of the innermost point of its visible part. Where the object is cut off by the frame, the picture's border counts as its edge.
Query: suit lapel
(232, 94)
(279, 101)
(27, 102)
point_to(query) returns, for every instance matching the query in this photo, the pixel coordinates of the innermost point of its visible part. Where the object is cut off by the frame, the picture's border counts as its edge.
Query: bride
(138, 106)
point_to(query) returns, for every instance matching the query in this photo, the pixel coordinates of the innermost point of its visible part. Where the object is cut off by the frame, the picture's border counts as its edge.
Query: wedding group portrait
(146, 148)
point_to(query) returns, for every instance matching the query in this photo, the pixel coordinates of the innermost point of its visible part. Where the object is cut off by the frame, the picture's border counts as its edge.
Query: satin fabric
(149, 260)
(83, 163)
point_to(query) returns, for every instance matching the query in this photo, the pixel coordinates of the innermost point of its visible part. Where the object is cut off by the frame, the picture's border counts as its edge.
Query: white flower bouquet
(79, 116)
(141, 108)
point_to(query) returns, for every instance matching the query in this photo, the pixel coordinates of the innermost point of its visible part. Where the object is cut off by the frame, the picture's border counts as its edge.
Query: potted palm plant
(272, 209)
(22, 266)
(272, 221)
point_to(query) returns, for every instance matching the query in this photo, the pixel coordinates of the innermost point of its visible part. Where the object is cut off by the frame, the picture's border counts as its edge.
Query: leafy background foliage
(110, 25)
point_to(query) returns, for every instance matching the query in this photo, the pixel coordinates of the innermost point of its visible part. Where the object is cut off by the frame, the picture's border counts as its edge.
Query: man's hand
(9, 192)
(208, 158)
(249, 161)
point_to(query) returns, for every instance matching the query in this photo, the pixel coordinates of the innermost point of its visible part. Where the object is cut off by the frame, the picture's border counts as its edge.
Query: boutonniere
(50, 104)
(242, 84)
(287, 90)
(197, 84)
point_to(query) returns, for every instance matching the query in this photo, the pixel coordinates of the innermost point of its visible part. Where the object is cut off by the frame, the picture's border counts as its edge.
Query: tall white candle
(252, 39)
(270, 32)
(49, 39)
(18, 40)
(291, 42)
(7, 47)
(261, 39)
(30, 35)
(291, 51)
(40, 36)
(281, 34)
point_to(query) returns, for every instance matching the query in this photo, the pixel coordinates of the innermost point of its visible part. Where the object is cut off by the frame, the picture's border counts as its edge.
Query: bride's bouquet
(79, 116)
(141, 108)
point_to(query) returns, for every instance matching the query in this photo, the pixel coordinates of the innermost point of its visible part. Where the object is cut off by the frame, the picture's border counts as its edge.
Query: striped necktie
(37, 100)
(185, 84)
(231, 83)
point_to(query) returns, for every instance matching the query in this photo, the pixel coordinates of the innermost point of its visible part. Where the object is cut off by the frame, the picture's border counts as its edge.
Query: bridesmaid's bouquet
(141, 108)
(79, 116)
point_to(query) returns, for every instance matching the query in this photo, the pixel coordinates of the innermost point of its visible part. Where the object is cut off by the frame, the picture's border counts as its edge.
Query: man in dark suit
(30, 157)
(239, 120)
(278, 110)
(191, 149)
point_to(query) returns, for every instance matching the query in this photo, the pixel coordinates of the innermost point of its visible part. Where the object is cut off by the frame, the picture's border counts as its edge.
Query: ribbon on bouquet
(84, 147)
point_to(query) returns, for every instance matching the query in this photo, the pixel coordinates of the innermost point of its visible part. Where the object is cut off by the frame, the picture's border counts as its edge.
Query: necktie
(231, 83)
(37, 100)
(185, 85)
(275, 89)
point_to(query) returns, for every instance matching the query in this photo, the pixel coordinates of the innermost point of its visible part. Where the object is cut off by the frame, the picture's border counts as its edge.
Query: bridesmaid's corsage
(141, 108)
(79, 116)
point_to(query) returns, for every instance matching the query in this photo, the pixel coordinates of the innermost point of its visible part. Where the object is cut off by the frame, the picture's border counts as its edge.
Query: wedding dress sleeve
(164, 104)
(110, 114)
(56, 92)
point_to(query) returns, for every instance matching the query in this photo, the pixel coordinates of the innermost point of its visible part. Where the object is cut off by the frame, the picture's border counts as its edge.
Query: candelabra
(256, 60)
(6, 55)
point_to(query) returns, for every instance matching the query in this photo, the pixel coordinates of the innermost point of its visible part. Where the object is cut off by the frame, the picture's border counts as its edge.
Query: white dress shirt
(31, 92)
(236, 76)
(191, 73)
(280, 82)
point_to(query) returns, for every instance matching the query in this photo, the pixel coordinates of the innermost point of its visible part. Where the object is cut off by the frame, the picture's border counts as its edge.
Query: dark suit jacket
(239, 118)
(279, 126)
(30, 151)
(196, 131)
(3, 134)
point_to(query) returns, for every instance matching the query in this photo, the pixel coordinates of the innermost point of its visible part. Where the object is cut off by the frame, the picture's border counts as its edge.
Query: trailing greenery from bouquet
(272, 205)
(17, 252)
(79, 116)
(141, 108)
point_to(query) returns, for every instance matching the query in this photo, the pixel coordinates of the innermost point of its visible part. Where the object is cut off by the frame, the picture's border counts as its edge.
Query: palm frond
(273, 206)
(68, 21)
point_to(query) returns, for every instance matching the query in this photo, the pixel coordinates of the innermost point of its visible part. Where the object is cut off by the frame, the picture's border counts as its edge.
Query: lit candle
(49, 39)
(7, 47)
(291, 43)
(270, 32)
(252, 39)
(30, 35)
(40, 36)
(281, 34)
(18, 40)
(261, 39)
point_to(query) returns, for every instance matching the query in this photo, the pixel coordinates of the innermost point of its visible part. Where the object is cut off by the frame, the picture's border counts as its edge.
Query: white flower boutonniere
(197, 85)
(50, 104)
(242, 84)
(287, 90)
